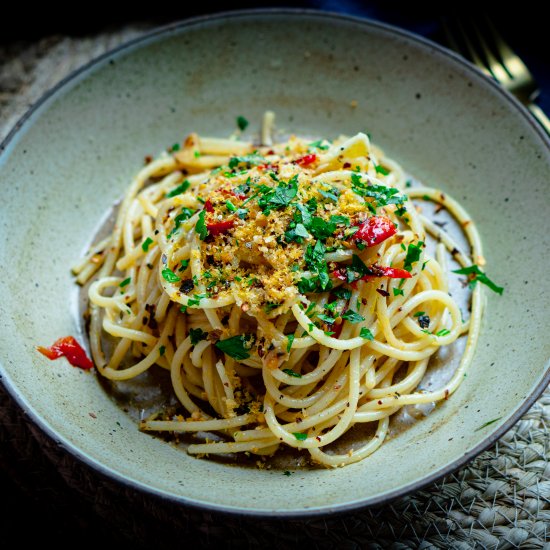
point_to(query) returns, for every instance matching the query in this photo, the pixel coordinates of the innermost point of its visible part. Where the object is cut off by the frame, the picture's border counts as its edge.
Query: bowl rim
(318, 511)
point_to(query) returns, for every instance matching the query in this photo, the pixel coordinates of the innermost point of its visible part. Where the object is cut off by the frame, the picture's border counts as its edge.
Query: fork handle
(538, 113)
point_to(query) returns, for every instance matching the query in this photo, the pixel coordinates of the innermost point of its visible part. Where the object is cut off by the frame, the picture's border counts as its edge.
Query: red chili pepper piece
(392, 272)
(208, 206)
(219, 227)
(71, 349)
(306, 160)
(375, 230)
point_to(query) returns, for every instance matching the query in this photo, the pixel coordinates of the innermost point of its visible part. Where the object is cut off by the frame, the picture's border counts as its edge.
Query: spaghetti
(285, 286)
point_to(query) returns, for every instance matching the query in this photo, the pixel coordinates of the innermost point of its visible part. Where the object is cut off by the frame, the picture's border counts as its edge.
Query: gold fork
(486, 49)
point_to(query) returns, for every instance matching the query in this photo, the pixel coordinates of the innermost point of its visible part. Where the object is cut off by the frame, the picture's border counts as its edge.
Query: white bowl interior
(75, 154)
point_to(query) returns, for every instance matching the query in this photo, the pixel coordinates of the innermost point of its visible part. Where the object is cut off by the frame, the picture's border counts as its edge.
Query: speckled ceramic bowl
(71, 157)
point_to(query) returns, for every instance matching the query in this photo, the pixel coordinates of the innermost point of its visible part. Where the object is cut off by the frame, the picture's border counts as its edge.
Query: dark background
(37, 504)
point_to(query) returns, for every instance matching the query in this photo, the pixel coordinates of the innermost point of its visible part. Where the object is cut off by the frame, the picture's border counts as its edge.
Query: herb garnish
(200, 227)
(196, 335)
(125, 282)
(290, 338)
(250, 160)
(242, 123)
(181, 188)
(290, 372)
(146, 244)
(413, 254)
(170, 276)
(352, 316)
(366, 334)
(299, 436)
(475, 274)
(235, 347)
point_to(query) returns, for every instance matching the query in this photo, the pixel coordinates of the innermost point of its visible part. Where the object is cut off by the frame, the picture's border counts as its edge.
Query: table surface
(501, 499)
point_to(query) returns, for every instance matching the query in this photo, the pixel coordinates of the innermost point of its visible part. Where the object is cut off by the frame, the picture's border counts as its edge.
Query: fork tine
(510, 60)
(465, 46)
(495, 68)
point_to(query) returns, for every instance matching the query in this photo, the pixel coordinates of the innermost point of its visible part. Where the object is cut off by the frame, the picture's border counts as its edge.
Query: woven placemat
(500, 500)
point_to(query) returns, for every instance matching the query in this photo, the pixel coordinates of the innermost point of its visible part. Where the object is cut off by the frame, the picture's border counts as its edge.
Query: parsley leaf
(290, 372)
(299, 436)
(341, 292)
(352, 316)
(250, 160)
(181, 188)
(318, 145)
(200, 227)
(475, 274)
(366, 334)
(125, 282)
(290, 339)
(185, 214)
(332, 193)
(170, 276)
(413, 254)
(234, 347)
(279, 196)
(242, 123)
(398, 292)
(321, 229)
(146, 244)
(196, 335)
(326, 318)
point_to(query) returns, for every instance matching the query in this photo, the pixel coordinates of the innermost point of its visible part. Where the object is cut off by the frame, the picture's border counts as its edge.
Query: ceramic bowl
(73, 154)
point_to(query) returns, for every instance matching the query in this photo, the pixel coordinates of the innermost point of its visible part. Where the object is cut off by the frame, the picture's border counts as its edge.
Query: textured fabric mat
(500, 500)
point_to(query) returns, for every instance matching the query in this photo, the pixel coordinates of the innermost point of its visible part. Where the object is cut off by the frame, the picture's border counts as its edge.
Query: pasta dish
(285, 286)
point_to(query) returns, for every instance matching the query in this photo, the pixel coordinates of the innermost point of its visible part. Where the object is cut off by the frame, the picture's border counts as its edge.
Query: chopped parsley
(318, 145)
(290, 372)
(279, 196)
(235, 347)
(325, 318)
(475, 274)
(230, 206)
(332, 193)
(181, 188)
(299, 436)
(413, 254)
(398, 292)
(242, 123)
(352, 316)
(321, 229)
(381, 194)
(200, 227)
(381, 170)
(290, 339)
(341, 292)
(170, 276)
(443, 332)
(366, 334)
(419, 313)
(162, 350)
(185, 214)
(146, 244)
(196, 335)
(250, 160)
(125, 282)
